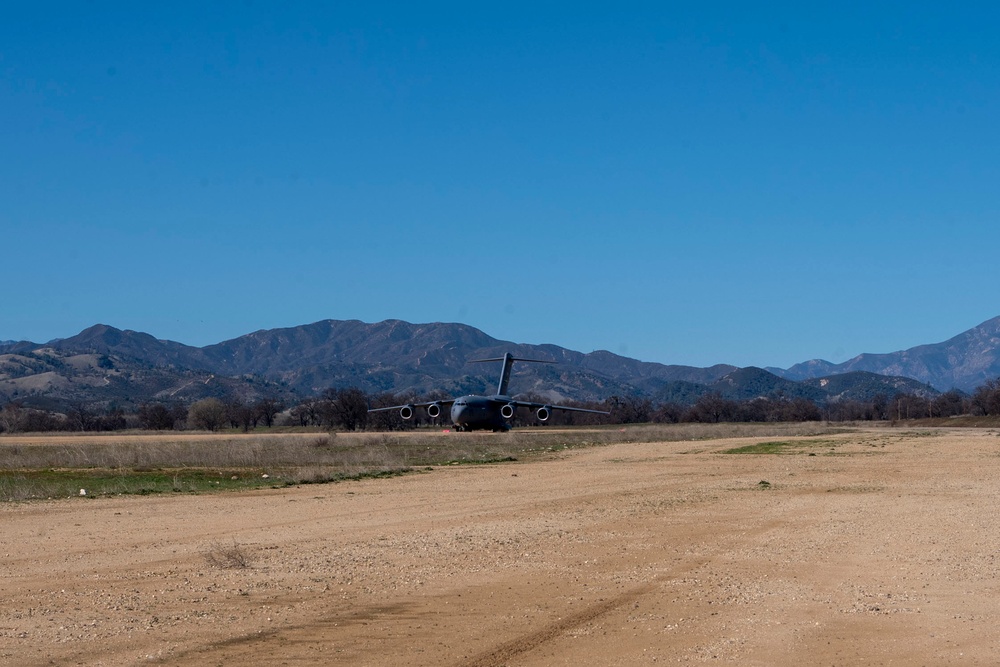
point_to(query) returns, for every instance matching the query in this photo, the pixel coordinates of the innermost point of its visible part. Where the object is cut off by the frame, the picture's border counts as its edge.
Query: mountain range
(105, 365)
(963, 362)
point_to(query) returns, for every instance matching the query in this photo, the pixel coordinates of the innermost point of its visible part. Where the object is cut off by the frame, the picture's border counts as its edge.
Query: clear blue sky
(692, 183)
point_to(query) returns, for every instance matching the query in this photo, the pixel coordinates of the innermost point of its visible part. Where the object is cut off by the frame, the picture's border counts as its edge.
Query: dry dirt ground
(879, 549)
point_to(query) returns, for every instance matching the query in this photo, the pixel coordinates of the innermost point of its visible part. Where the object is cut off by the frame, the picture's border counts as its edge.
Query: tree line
(347, 409)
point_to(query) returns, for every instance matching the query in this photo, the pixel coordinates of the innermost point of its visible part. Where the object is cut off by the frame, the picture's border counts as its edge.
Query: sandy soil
(880, 549)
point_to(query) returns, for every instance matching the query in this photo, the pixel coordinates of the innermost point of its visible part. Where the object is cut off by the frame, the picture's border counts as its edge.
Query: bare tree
(157, 417)
(949, 404)
(267, 409)
(81, 417)
(986, 398)
(350, 408)
(712, 408)
(630, 409)
(12, 418)
(208, 414)
(306, 413)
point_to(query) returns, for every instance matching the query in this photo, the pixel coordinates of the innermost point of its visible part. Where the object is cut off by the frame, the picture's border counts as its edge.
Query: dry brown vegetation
(283, 449)
(60, 465)
(228, 556)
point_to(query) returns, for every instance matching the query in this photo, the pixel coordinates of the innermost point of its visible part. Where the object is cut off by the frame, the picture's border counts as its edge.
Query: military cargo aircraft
(470, 413)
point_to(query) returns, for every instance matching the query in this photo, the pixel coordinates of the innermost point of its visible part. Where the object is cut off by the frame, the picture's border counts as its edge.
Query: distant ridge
(963, 362)
(106, 365)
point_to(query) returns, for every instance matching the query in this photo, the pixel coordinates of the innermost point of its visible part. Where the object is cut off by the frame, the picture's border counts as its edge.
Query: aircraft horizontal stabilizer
(534, 361)
(472, 412)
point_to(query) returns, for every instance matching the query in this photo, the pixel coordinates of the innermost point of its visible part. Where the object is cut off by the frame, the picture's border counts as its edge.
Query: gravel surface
(877, 547)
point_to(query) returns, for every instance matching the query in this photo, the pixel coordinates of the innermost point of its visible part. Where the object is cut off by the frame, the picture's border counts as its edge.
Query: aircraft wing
(447, 401)
(535, 406)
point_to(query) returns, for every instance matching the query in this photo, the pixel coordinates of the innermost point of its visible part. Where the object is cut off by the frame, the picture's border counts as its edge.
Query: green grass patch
(43, 484)
(784, 447)
(482, 461)
(165, 465)
(62, 483)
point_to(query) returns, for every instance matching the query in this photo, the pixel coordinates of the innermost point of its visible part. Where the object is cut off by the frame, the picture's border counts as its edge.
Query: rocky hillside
(106, 365)
(963, 362)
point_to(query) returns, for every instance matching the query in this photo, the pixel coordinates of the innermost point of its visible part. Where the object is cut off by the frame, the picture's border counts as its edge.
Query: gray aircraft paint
(470, 413)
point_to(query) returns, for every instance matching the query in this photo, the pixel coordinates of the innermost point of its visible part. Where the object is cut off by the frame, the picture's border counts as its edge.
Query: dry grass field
(656, 546)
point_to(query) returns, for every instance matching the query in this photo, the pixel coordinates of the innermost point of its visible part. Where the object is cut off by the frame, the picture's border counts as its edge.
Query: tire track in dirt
(502, 654)
(492, 550)
(269, 643)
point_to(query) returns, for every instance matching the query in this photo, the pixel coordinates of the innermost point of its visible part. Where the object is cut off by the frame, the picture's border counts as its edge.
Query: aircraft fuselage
(471, 413)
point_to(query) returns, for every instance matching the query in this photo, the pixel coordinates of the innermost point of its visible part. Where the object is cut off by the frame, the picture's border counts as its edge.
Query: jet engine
(507, 411)
(406, 412)
(434, 410)
(543, 413)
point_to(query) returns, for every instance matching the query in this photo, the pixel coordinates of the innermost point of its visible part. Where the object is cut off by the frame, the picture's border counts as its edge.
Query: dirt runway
(878, 547)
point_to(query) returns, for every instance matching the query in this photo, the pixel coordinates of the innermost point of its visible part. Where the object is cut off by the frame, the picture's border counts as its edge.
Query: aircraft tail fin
(508, 360)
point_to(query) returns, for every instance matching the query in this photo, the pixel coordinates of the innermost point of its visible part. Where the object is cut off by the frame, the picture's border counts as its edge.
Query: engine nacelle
(507, 411)
(543, 413)
(406, 412)
(434, 410)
